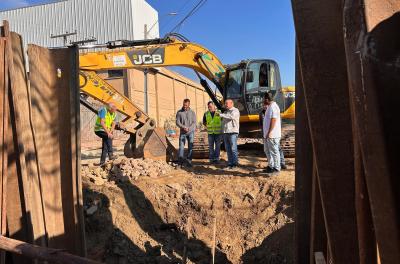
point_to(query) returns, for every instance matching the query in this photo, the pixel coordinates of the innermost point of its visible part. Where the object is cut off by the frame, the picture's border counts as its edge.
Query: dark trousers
(106, 147)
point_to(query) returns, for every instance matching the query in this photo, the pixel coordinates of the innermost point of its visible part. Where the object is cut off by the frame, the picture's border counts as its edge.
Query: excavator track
(288, 141)
(200, 146)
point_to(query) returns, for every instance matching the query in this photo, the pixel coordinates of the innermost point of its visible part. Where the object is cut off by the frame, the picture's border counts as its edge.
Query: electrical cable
(191, 13)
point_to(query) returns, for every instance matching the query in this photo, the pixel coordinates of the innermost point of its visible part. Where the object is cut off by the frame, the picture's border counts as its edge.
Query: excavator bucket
(151, 145)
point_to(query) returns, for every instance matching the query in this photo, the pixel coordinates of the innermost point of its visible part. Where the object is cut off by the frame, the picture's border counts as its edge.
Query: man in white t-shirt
(272, 134)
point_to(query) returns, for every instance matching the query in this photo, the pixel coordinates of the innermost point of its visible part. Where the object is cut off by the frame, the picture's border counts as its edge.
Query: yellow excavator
(245, 83)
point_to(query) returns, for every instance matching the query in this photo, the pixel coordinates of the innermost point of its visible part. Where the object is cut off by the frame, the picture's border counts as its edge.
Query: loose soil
(157, 217)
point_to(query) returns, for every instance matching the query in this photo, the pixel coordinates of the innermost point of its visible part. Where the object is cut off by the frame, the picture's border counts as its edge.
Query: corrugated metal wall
(103, 19)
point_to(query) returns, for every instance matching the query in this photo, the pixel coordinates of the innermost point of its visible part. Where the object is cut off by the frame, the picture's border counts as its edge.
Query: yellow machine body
(169, 52)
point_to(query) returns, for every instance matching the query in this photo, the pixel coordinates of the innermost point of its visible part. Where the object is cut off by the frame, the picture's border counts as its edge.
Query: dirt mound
(146, 219)
(124, 169)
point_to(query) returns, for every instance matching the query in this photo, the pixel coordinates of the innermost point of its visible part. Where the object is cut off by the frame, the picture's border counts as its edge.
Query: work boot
(274, 172)
(189, 163)
(268, 169)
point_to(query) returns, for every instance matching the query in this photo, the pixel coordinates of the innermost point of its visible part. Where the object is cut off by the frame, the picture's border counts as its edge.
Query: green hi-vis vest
(214, 125)
(108, 120)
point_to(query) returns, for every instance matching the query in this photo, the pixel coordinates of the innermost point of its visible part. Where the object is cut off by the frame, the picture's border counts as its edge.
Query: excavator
(245, 83)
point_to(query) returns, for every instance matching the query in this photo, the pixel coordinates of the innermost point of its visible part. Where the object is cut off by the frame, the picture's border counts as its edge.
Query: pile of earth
(124, 169)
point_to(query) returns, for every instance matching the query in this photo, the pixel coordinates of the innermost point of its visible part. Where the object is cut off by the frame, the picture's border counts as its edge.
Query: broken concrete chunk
(121, 169)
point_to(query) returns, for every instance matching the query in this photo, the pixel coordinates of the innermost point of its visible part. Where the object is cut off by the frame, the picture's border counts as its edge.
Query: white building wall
(103, 19)
(150, 19)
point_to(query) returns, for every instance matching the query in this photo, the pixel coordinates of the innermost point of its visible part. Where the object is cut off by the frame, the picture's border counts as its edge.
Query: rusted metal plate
(3, 140)
(319, 31)
(303, 180)
(372, 49)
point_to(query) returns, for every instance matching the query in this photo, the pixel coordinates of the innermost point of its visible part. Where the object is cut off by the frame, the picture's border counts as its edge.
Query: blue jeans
(272, 147)
(182, 141)
(230, 140)
(280, 152)
(214, 146)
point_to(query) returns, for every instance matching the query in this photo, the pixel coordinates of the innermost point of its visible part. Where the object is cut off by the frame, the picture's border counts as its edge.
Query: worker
(272, 134)
(261, 120)
(104, 128)
(230, 124)
(214, 129)
(186, 121)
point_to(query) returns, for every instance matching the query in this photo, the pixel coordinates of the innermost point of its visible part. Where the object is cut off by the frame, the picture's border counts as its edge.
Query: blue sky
(233, 30)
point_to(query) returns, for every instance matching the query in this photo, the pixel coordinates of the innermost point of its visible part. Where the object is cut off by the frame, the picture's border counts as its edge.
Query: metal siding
(103, 19)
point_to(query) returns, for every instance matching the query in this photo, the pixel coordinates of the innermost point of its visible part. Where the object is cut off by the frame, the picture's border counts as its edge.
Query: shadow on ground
(112, 246)
(274, 249)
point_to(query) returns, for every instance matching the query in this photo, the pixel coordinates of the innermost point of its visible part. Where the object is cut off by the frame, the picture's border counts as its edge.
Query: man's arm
(271, 125)
(204, 119)
(193, 124)
(103, 125)
(275, 115)
(178, 121)
(230, 116)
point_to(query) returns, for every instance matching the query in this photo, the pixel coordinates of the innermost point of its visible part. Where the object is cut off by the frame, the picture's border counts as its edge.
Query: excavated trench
(141, 211)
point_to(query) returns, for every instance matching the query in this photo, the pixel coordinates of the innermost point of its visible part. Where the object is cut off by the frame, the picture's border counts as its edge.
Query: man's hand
(110, 135)
(186, 129)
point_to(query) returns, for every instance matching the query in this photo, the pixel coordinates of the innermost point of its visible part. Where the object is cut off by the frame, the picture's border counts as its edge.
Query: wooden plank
(17, 219)
(25, 147)
(303, 179)
(50, 255)
(74, 91)
(3, 141)
(374, 86)
(319, 32)
(55, 102)
(45, 114)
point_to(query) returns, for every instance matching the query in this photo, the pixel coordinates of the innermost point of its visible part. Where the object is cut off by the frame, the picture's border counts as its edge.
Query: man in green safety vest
(104, 128)
(214, 127)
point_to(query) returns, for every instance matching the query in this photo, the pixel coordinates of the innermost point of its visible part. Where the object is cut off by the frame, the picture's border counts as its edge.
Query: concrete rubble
(126, 169)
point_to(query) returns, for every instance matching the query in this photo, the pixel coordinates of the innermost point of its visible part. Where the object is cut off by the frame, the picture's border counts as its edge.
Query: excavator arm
(146, 140)
(156, 53)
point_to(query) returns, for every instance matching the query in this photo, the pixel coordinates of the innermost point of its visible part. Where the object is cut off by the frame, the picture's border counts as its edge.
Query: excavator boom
(156, 53)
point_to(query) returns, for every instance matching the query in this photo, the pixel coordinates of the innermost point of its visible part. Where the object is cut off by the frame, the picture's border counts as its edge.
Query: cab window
(233, 85)
(260, 75)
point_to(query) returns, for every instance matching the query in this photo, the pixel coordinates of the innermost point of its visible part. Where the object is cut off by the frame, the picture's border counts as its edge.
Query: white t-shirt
(272, 111)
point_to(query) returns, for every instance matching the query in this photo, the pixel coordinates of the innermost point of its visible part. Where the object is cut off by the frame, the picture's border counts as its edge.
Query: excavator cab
(248, 81)
(246, 84)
